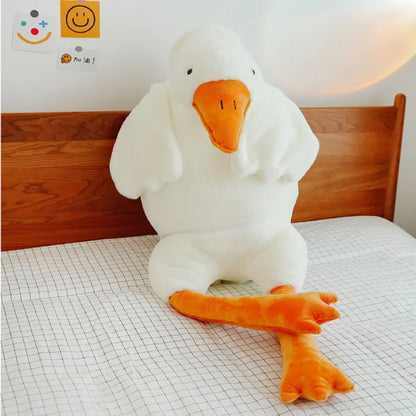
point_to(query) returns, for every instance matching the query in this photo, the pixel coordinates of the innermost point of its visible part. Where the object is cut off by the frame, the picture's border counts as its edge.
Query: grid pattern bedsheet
(83, 333)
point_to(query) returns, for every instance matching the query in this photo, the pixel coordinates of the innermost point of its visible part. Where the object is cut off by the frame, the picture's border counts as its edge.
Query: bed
(83, 333)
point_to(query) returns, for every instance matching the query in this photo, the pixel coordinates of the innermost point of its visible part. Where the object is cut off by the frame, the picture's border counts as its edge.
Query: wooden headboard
(56, 186)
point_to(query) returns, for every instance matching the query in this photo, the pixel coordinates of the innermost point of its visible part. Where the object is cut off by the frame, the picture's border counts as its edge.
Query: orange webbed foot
(308, 374)
(291, 313)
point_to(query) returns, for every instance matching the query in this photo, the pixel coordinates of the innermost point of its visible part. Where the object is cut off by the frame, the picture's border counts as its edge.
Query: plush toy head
(211, 70)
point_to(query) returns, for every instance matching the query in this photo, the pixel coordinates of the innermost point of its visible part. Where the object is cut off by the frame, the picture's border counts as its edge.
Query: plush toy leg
(291, 313)
(306, 372)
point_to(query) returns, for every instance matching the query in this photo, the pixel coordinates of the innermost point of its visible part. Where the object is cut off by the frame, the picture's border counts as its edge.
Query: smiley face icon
(80, 20)
(66, 58)
(32, 31)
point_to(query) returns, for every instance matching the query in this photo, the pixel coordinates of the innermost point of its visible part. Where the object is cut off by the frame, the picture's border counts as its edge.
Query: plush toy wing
(146, 154)
(277, 142)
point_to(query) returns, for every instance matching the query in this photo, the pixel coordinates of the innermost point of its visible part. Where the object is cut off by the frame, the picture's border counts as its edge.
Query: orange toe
(308, 327)
(318, 391)
(326, 315)
(328, 297)
(289, 393)
(343, 384)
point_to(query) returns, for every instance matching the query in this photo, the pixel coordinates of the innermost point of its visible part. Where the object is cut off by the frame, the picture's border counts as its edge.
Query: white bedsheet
(83, 333)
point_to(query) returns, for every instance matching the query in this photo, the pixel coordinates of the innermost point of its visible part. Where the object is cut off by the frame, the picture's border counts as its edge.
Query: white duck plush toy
(216, 154)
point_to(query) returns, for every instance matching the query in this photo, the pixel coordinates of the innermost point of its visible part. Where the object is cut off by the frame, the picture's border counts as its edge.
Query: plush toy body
(216, 155)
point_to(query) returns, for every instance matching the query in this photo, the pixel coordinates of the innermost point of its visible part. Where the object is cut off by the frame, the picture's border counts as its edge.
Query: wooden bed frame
(56, 186)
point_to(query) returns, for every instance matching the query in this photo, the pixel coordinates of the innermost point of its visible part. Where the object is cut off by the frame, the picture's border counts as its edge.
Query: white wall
(136, 37)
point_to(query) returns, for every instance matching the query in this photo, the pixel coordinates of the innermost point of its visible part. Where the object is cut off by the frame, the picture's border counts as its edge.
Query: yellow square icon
(80, 19)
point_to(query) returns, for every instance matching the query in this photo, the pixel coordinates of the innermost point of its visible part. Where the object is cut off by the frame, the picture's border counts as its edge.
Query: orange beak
(222, 106)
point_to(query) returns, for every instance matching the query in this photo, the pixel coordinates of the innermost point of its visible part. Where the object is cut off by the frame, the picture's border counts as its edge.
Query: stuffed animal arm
(216, 154)
(260, 153)
(132, 165)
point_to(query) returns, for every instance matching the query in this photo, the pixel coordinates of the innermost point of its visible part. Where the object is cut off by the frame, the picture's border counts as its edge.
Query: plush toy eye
(189, 72)
(253, 71)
